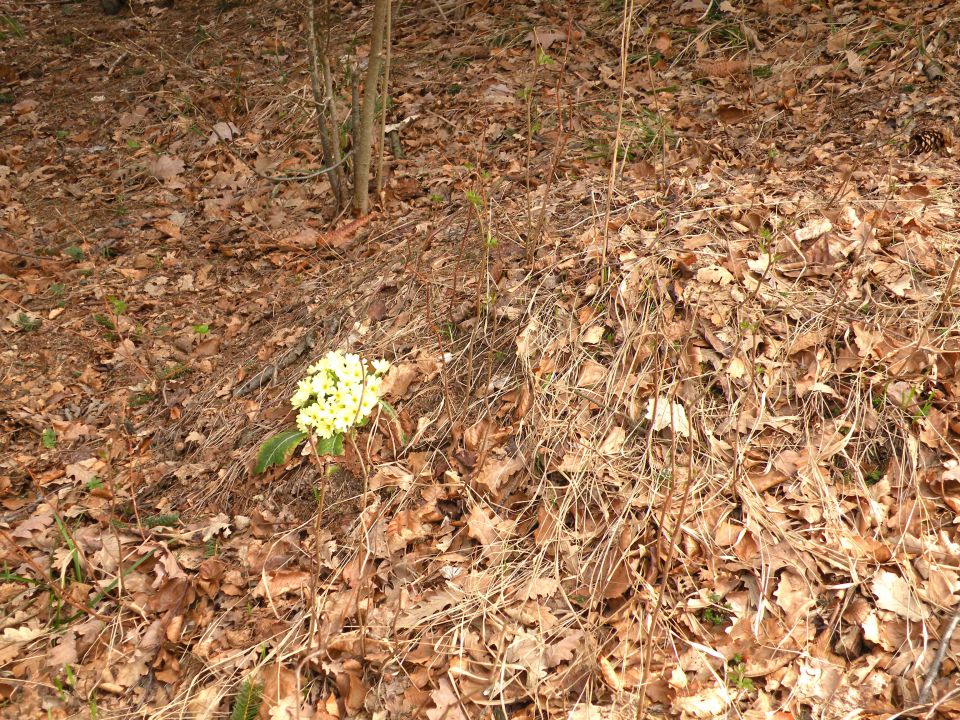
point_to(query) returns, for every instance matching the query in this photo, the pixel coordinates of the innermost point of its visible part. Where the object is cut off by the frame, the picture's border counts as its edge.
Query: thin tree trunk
(325, 118)
(381, 145)
(354, 104)
(364, 134)
(335, 124)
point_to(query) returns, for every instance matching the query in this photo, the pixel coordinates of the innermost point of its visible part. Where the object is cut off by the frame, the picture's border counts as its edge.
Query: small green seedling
(736, 674)
(718, 614)
(119, 306)
(28, 323)
(474, 199)
(140, 399)
(247, 703)
(169, 520)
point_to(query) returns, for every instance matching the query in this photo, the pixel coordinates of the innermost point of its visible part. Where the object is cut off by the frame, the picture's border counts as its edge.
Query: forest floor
(676, 436)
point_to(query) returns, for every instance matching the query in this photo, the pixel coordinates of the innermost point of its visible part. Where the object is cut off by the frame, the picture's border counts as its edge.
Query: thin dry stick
(934, 670)
(315, 575)
(52, 585)
(362, 551)
(115, 527)
(848, 273)
(667, 563)
(529, 146)
(534, 240)
(947, 292)
(448, 403)
(665, 179)
(668, 560)
(385, 94)
(331, 98)
(628, 8)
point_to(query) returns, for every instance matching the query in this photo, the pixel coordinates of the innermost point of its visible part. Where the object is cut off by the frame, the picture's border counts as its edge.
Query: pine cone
(923, 141)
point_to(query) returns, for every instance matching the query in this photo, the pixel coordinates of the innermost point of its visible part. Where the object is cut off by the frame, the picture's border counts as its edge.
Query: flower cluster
(339, 392)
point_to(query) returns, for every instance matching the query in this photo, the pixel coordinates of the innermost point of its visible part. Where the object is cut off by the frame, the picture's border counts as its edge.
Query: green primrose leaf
(278, 449)
(389, 409)
(332, 445)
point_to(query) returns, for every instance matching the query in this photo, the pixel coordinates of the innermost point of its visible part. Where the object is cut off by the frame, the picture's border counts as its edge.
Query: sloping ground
(679, 444)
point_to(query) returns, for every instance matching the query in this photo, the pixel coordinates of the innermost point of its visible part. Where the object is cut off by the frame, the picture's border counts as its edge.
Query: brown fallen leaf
(279, 689)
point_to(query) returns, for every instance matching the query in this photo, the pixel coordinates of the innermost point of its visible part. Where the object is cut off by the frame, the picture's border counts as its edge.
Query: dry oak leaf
(564, 650)
(714, 274)
(544, 37)
(592, 335)
(837, 42)
(304, 239)
(497, 470)
(728, 533)
(166, 167)
(482, 525)
(613, 443)
(591, 373)
(204, 705)
(405, 528)
(430, 364)
(813, 230)
(398, 379)
(854, 62)
(941, 584)
(447, 705)
(279, 685)
(817, 679)
(610, 675)
(526, 650)
(721, 68)
(794, 597)
(280, 582)
(391, 476)
(168, 228)
(526, 339)
(664, 413)
(540, 587)
(426, 608)
(893, 593)
(21, 634)
(222, 131)
(287, 709)
(84, 471)
(586, 711)
(25, 106)
(35, 523)
(710, 702)
(128, 674)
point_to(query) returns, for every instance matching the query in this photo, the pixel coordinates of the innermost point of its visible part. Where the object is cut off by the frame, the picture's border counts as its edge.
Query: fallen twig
(264, 376)
(934, 669)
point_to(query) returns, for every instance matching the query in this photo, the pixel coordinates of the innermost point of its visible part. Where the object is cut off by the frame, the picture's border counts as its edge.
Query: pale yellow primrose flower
(340, 391)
